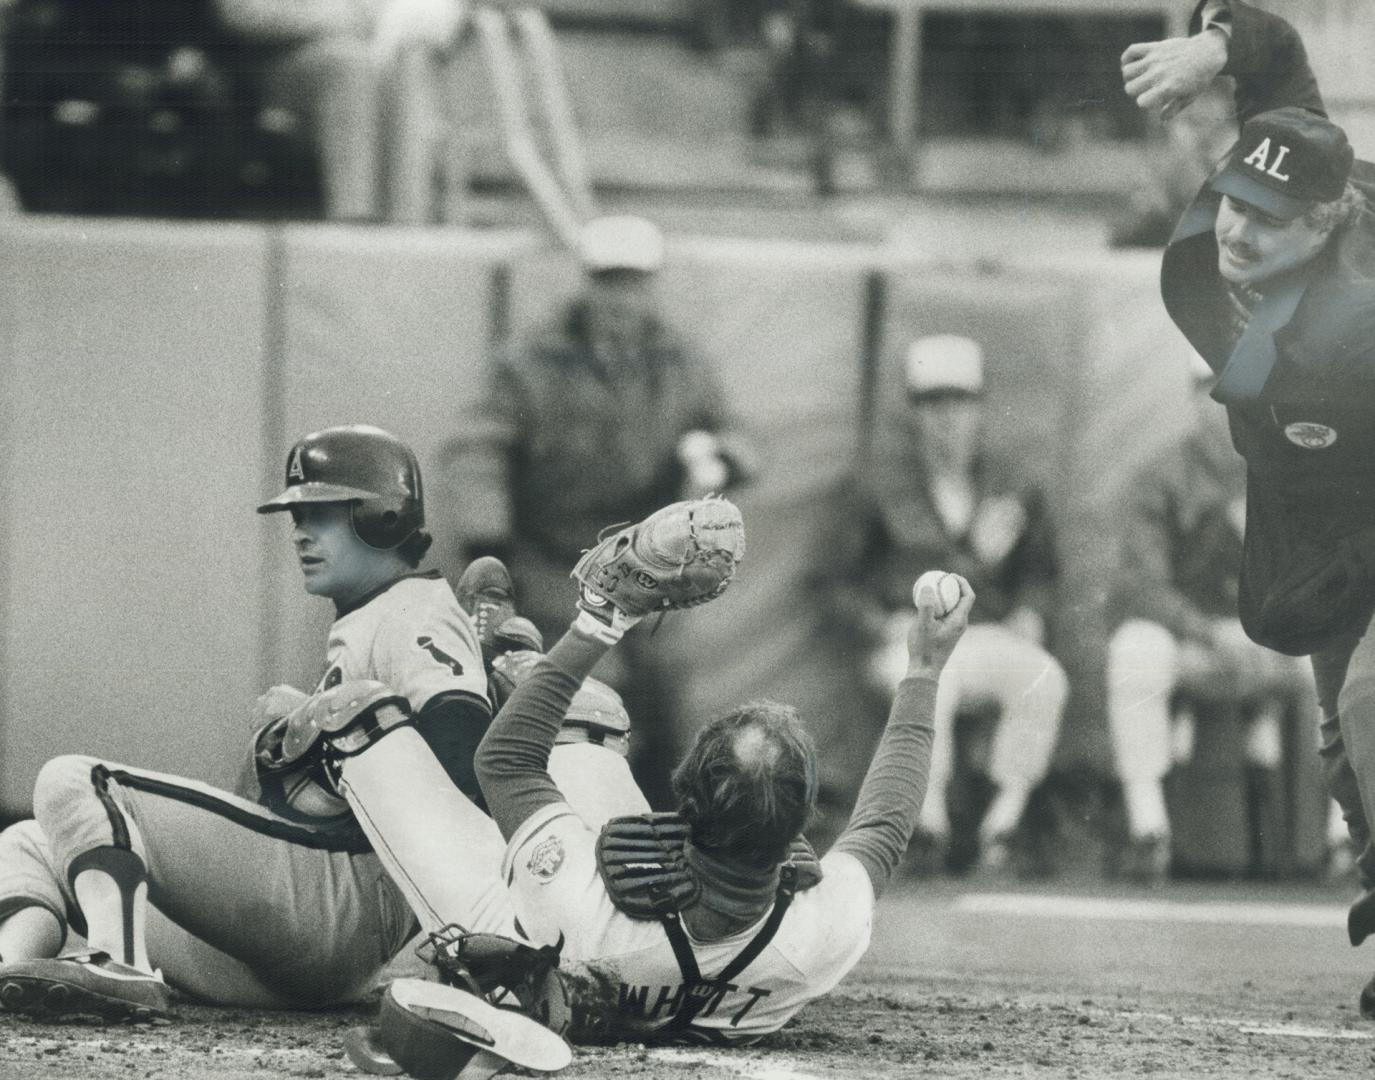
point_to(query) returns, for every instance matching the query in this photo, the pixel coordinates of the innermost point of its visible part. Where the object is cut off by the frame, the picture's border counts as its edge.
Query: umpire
(1269, 276)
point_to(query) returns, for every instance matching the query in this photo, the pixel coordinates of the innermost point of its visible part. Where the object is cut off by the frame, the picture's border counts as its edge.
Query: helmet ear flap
(385, 523)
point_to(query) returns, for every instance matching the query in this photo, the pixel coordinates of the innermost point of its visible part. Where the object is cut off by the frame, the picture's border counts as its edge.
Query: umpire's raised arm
(895, 785)
(1226, 37)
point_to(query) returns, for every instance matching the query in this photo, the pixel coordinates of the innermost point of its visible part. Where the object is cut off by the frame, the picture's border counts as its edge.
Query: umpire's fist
(1164, 76)
(275, 703)
(934, 635)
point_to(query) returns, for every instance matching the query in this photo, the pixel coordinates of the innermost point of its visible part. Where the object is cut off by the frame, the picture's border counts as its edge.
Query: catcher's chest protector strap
(697, 991)
(642, 865)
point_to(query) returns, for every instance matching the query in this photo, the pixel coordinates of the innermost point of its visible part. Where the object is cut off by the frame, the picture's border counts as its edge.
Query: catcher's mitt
(678, 557)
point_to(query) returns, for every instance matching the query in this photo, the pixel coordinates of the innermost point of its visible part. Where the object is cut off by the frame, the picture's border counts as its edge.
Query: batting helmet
(370, 469)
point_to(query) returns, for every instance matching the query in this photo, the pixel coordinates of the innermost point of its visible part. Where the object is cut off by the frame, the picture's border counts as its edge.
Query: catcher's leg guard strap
(127, 871)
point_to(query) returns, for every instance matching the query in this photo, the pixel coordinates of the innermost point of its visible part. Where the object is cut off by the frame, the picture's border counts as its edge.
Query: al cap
(1286, 160)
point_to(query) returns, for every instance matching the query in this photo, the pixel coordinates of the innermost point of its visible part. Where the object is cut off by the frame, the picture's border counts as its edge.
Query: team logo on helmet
(1310, 436)
(296, 470)
(546, 860)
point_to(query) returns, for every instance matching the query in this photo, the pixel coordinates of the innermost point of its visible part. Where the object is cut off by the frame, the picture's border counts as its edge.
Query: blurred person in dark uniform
(601, 416)
(1176, 629)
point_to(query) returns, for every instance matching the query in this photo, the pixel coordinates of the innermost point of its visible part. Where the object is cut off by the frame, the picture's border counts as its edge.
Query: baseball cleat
(1368, 999)
(1360, 919)
(485, 591)
(517, 633)
(83, 984)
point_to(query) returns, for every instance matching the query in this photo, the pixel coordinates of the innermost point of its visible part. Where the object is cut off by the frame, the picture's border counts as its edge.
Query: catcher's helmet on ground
(368, 468)
(436, 1032)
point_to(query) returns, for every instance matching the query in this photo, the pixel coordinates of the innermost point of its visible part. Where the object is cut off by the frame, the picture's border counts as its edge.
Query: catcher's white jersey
(551, 868)
(414, 637)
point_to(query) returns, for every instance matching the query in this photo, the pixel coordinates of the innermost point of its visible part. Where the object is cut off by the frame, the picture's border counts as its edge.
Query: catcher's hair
(748, 784)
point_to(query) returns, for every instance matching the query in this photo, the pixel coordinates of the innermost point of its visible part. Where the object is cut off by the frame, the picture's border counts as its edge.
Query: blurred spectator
(1177, 632)
(603, 416)
(826, 60)
(1178, 158)
(357, 72)
(937, 504)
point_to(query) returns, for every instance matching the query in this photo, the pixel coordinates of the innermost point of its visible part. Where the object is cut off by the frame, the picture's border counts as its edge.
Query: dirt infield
(1227, 981)
(858, 1033)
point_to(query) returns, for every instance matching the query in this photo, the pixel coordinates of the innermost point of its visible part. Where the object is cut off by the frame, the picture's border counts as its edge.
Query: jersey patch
(547, 859)
(427, 643)
(1310, 436)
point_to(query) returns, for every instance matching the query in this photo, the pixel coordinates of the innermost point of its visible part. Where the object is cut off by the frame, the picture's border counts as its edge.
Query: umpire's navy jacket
(1299, 385)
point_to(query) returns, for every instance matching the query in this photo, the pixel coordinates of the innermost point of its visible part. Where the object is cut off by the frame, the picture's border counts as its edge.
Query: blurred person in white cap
(1176, 637)
(935, 500)
(601, 415)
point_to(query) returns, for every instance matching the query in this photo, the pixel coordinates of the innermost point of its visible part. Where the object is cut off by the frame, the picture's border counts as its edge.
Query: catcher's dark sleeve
(895, 785)
(1267, 58)
(453, 725)
(513, 760)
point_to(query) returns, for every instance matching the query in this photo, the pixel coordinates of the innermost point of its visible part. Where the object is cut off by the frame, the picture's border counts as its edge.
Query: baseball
(947, 588)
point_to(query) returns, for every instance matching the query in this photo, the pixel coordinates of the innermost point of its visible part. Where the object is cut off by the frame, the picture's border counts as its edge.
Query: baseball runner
(279, 902)
(1268, 275)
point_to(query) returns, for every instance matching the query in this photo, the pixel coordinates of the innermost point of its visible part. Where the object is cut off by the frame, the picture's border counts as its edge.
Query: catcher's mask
(371, 470)
(436, 1032)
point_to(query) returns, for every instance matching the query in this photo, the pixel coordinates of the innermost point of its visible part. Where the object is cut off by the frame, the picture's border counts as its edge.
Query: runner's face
(1254, 247)
(334, 562)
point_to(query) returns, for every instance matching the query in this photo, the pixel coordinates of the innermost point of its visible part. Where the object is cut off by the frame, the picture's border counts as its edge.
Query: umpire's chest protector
(1299, 384)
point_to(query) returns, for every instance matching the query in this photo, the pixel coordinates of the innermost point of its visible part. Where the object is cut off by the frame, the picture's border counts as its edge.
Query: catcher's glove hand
(678, 557)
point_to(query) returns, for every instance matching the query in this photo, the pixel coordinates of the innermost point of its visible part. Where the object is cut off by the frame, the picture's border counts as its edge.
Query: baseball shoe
(1368, 999)
(995, 854)
(83, 984)
(1360, 919)
(1146, 860)
(485, 591)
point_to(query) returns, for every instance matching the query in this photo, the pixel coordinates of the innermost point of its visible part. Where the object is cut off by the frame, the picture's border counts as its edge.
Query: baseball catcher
(716, 922)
